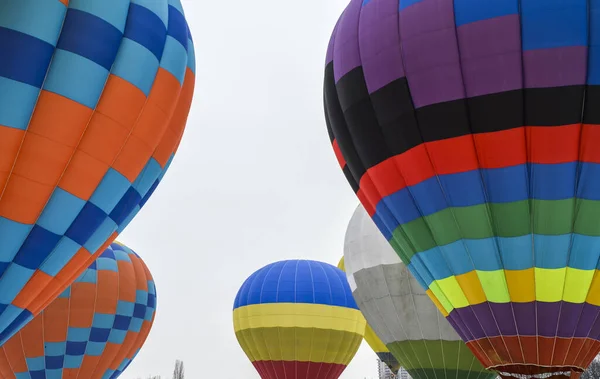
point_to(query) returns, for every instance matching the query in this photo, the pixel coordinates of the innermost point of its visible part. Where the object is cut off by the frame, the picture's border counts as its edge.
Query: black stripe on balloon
(375, 127)
(354, 169)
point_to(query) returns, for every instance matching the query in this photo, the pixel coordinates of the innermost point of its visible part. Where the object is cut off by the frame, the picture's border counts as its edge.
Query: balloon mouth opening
(525, 371)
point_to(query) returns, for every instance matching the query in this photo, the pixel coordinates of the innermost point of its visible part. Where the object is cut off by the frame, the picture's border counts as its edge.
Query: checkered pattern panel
(94, 329)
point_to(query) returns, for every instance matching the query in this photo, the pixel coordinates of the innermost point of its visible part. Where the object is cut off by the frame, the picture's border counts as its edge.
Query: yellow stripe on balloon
(520, 286)
(593, 296)
(494, 285)
(298, 344)
(299, 315)
(577, 284)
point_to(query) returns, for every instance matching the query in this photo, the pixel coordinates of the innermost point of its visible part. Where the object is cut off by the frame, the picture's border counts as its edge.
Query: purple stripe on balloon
(561, 66)
(486, 319)
(569, 318)
(346, 55)
(457, 324)
(425, 17)
(379, 43)
(547, 318)
(469, 318)
(491, 67)
(594, 332)
(587, 319)
(430, 52)
(525, 318)
(503, 312)
(329, 56)
(558, 319)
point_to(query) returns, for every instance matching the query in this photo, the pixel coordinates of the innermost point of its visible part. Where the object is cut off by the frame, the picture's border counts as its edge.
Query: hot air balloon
(468, 131)
(297, 319)
(94, 329)
(399, 311)
(94, 97)
(375, 342)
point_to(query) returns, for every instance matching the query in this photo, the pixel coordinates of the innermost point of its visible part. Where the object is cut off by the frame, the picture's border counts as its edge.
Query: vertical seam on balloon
(113, 358)
(441, 248)
(312, 330)
(329, 331)
(295, 329)
(528, 184)
(341, 356)
(23, 351)
(577, 200)
(490, 218)
(412, 299)
(438, 180)
(266, 344)
(91, 326)
(278, 328)
(575, 203)
(10, 366)
(488, 208)
(140, 335)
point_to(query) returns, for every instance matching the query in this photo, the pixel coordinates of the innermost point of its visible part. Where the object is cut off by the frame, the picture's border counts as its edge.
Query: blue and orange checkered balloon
(94, 329)
(94, 98)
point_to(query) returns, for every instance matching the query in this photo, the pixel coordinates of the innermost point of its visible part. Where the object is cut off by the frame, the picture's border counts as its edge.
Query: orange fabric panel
(32, 289)
(127, 279)
(32, 338)
(121, 101)
(178, 121)
(108, 291)
(59, 119)
(88, 366)
(83, 298)
(140, 275)
(56, 320)
(110, 352)
(83, 175)
(13, 348)
(125, 347)
(132, 158)
(104, 138)
(23, 199)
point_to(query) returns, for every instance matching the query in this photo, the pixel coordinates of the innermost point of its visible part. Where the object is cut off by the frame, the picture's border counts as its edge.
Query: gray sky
(254, 181)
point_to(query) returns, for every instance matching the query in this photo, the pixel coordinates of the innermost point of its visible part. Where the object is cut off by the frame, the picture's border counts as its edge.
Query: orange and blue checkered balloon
(94, 329)
(94, 98)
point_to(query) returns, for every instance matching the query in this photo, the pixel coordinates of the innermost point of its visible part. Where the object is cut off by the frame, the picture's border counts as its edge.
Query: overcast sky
(254, 181)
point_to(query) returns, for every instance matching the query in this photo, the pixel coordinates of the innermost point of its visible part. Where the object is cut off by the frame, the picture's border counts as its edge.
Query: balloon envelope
(469, 131)
(297, 319)
(94, 329)
(399, 311)
(94, 97)
(375, 342)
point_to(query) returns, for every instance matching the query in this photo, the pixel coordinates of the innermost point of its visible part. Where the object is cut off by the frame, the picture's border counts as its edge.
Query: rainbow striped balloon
(297, 319)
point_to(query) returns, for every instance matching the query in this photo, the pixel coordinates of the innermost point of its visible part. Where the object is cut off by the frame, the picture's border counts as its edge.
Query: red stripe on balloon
(338, 154)
(298, 370)
(531, 144)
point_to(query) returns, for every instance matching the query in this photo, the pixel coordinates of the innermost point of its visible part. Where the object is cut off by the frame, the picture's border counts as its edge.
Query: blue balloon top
(296, 281)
